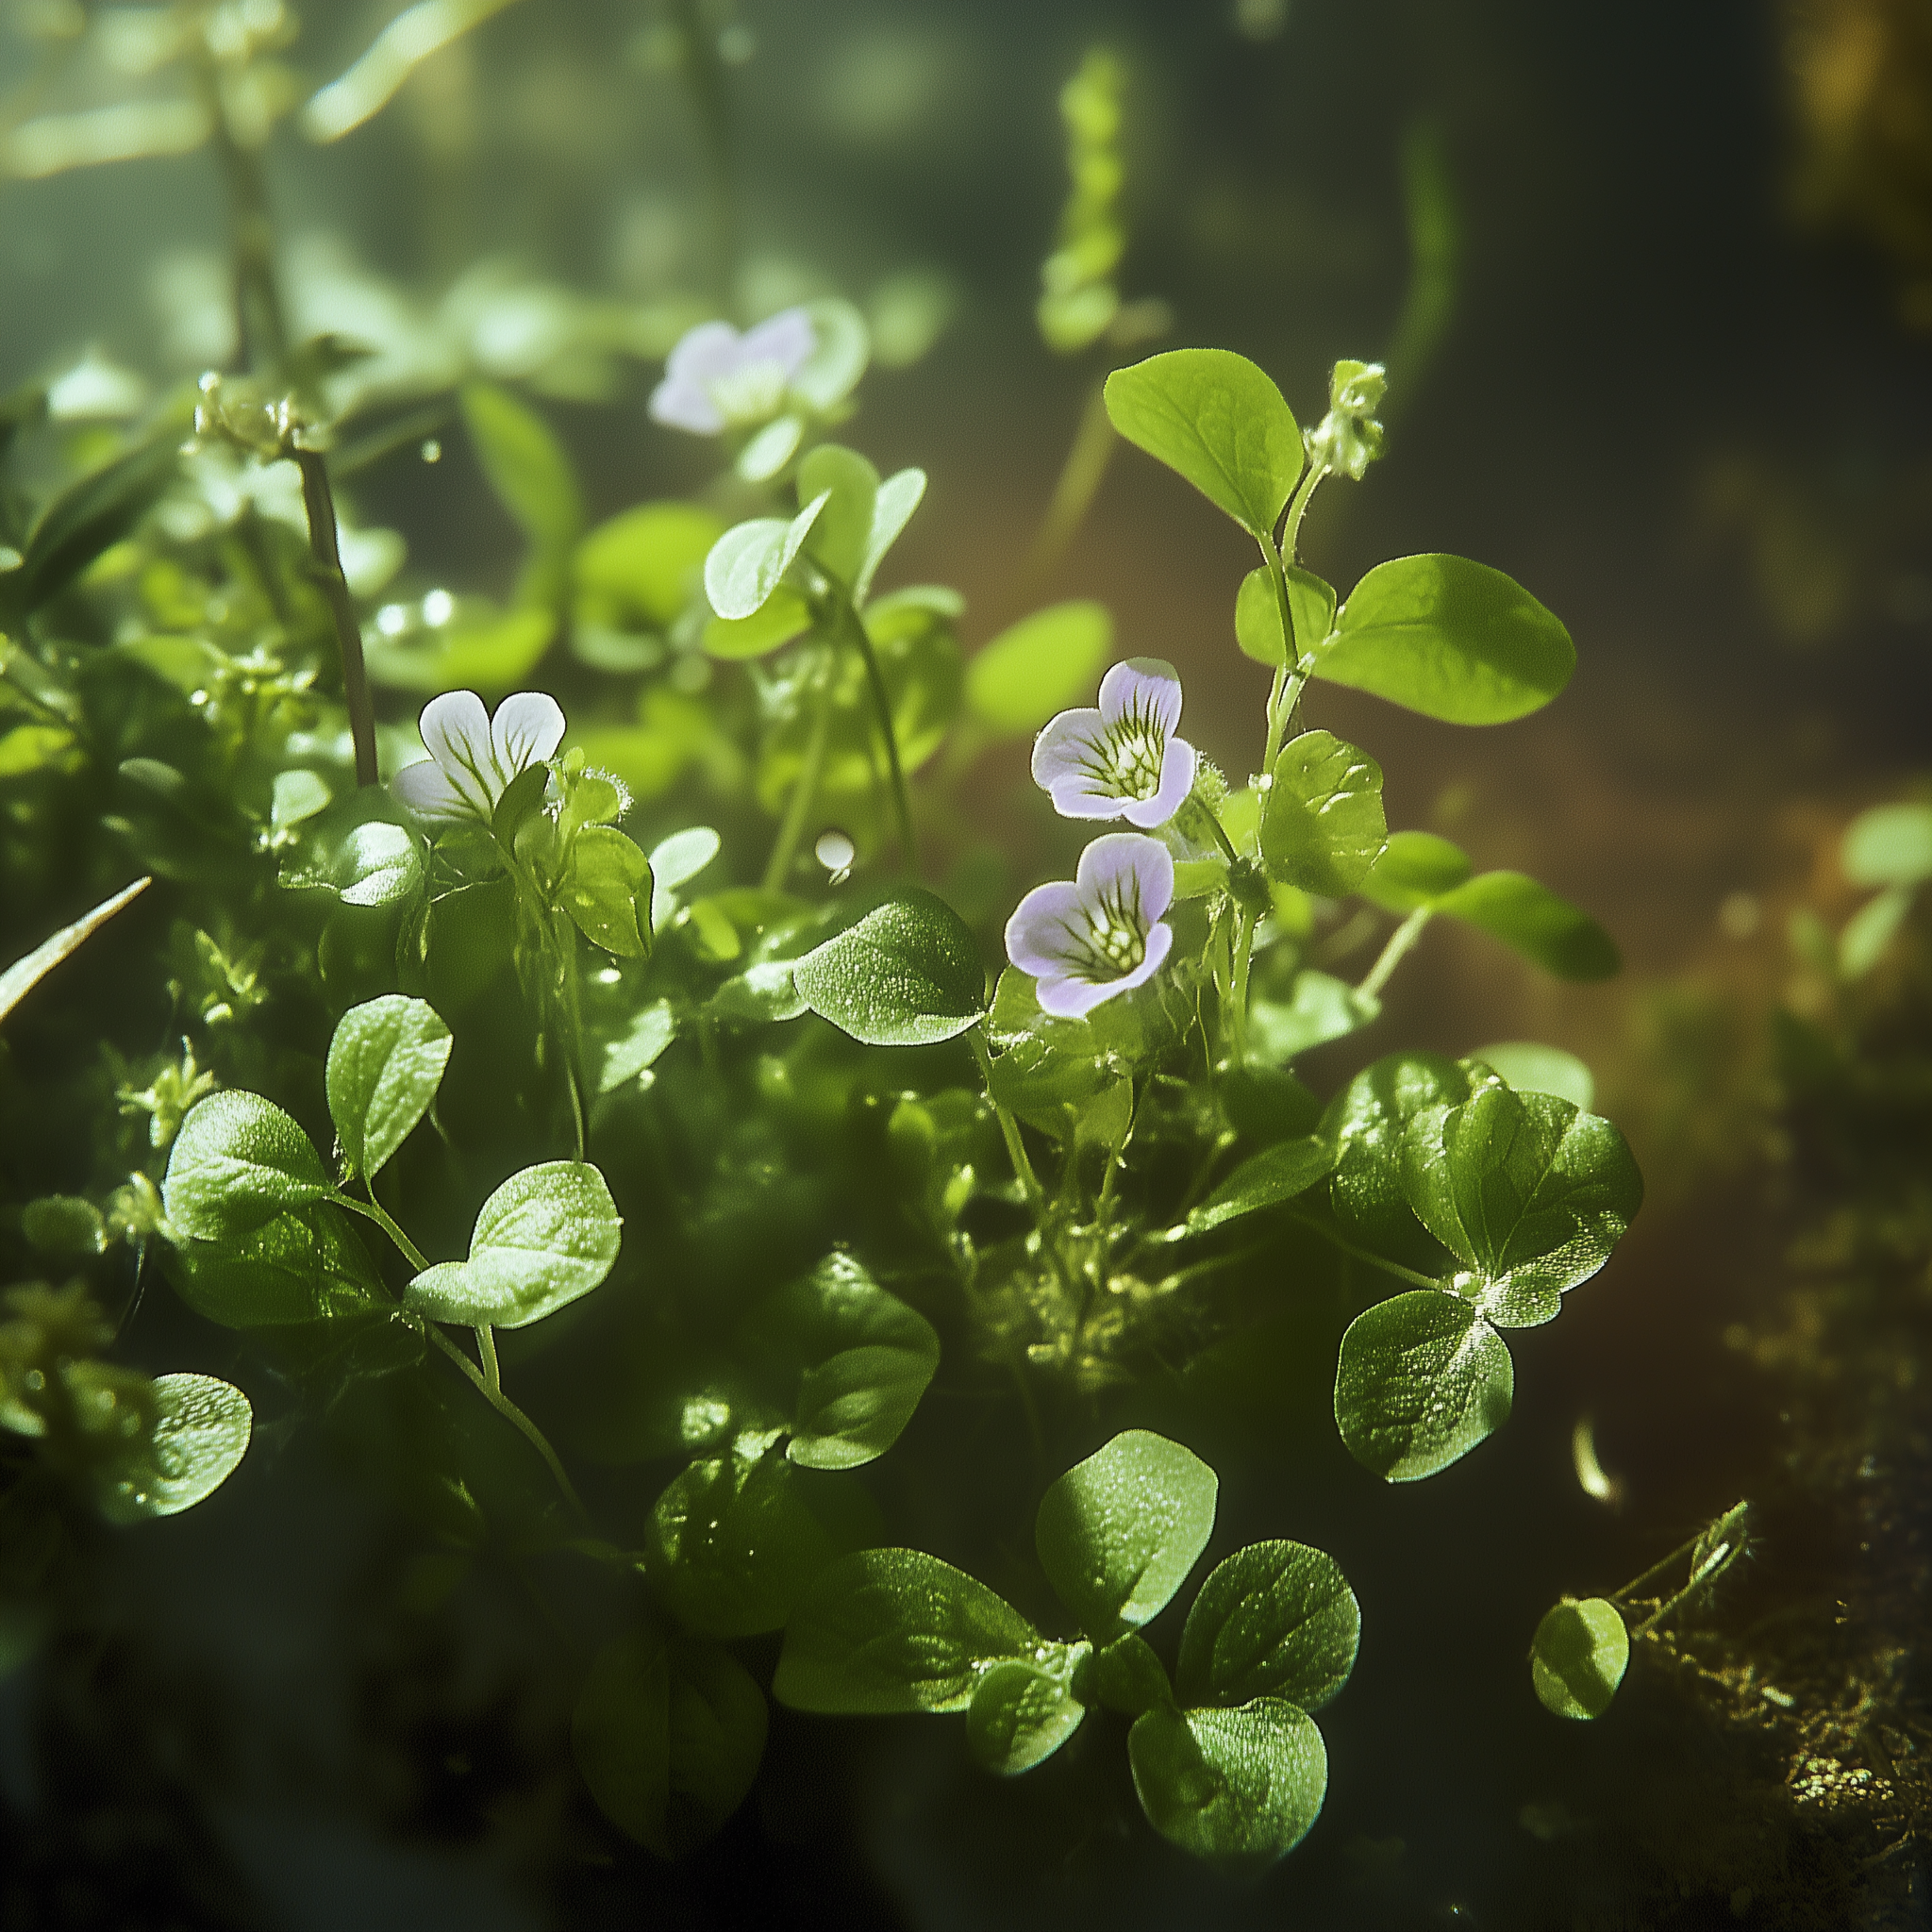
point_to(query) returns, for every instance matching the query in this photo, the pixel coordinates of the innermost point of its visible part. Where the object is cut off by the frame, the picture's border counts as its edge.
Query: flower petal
(425, 791)
(1177, 781)
(1046, 934)
(680, 403)
(1074, 999)
(456, 733)
(1145, 686)
(526, 729)
(786, 339)
(1068, 748)
(1129, 868)
(712, 348)
(1082, 798)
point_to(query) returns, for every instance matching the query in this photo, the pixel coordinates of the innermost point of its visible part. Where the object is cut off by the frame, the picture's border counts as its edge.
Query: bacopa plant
(721, 1146)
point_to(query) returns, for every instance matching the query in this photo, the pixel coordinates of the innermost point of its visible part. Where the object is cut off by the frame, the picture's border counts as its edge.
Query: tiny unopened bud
(1349, 439)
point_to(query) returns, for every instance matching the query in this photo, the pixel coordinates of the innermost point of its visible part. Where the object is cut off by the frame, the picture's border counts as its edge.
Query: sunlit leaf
(1451, 639)
(20, 978)
(1239, 1788)
(1039, 666)
(1578, 1657)
(1118, 1532)
(1275, 1619)
(545, 1237)
(1321, 824)
(1530, 1067)
(201, 1432)
(1022, 1712)
(1220, 421)
(1541, 924)
(1267, 1179)
(906, 973)
(1421, 1379)
(239, 1160)
(1888, 845)
(306, 1264)
(885, 1631)
(385, 1064)
(608, 892)
(746, 563)
(533, 481)
(639, 569)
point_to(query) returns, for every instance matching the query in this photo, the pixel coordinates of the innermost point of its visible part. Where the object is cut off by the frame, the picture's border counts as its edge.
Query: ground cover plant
(612, 1186)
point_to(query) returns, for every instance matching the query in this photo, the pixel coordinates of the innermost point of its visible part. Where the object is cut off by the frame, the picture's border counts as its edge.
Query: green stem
(778, 868)
(486, 1350)
(1196, 811)
(1399, 941)
(511, 1414)
(882, 704)
(376, 1212)
(1388, 1267)
(1009, 1131)
(1079, 483)
(327, 559)
(261, 333)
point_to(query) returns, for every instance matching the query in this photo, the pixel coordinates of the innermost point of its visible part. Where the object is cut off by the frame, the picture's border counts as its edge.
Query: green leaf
(1367, 1121)
(842, 346)
(1870, 929)
(1538, 924)
(746, 563)
(668, 1736)
(1578, 1657)
(1257, 614)
(1321, 1009)
(523, 798)
(1525, 1191)
(608, 892)
(888, 1631)
(1421, 1379)
(907, 973)
(1276, 1175)
(770, 449)
(784, 615)
(1450, 638)
(1322, 824)
(306, 1264)
(201, 1432)
(385, 1064)
(297, 795)
(1128, 1677)
(1022, 1712)
(532, 478)
(25, 974)
(65, 1226)
(362, 860)
(1530, 1067)
(898, 496)
(545, 1237)
(651, 1030)
(1888, 845)
(1118, 1532)
(1238, 1787)
(483, 650)
(28, 747)
(1275, 1619)
(82, 520)
(1220, 421)
(1038, 667)
(860, 1356)
(674, 863)
(239, 1160)
(733, 1543)
(851, 486)
(1415, 868)
(641, 568)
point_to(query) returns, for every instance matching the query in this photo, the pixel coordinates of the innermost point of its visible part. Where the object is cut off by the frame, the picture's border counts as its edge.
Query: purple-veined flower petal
(1041, 934)
(425, 791)
(1129, 870)
(1066, 748)
(1145, 688)
(1177, 781)
(528, 728)
(1074, 999)
(456, 733)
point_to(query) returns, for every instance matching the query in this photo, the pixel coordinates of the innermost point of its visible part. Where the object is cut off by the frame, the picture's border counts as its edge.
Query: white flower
(1100, 934)
(472, 757)
(716, 380)
(1122, 760)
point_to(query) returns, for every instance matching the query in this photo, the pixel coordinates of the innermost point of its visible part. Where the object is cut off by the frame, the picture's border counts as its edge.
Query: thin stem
(261, 334)
(1010, 1130)
(376, 1212)
(327, 559)
(882, 705)
(486, 1350)
(512, 1414)
(1399, 941)
(1079, 483)
(1198, 810)
(1349, 1248)
(779, 867)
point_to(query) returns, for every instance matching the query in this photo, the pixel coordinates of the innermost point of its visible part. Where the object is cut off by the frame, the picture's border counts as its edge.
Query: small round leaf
(1239, 1788)
(385, 1064)
(1275, 1619)
(907, 973)
(201, 1432)
(238, 1161)
(1578, 1657)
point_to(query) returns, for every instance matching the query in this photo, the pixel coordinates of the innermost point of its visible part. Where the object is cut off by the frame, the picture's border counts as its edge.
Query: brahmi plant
(613, 1187)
